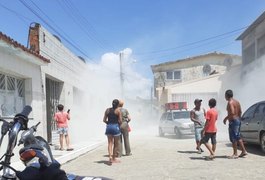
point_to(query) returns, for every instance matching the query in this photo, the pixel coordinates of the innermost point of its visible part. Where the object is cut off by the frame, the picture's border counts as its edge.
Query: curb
(78, 152)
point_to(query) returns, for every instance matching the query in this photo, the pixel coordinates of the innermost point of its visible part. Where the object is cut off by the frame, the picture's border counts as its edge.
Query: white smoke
(102, 84)
(247, 84)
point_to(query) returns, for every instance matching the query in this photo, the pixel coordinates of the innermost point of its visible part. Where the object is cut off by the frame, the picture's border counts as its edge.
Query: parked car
(253, 125)
(176, 122)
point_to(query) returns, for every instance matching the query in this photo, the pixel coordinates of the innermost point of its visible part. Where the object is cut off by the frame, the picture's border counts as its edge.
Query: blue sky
(155, 30)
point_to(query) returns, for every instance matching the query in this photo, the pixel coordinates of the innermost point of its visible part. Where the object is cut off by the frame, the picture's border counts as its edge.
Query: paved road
(158, 158)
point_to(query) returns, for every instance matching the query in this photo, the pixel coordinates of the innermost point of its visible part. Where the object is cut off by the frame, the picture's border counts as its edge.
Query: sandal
(211, 157)
(232, 157)
(243, 154)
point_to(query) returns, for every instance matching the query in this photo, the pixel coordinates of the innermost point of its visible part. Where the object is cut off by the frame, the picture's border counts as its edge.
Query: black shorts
(208, 136)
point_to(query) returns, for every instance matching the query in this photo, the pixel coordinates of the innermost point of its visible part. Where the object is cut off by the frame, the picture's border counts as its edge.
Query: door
(170, 123)
(255, 124)
(53, 92)
(247, 117)
(162, 122)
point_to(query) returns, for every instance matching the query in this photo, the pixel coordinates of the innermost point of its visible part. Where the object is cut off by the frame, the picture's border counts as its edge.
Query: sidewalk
(65, 156)
(79, 149)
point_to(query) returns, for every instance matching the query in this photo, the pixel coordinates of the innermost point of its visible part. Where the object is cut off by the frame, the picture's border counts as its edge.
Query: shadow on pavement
(206, 158)
(104, 162)
(188, 152)
(176, 137)
(251, 149)
(254, 149)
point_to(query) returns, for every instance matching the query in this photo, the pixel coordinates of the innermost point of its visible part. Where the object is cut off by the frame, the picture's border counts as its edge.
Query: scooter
(35, 153)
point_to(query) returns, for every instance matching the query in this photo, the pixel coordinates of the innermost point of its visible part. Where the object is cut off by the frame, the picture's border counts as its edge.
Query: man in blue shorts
(233, 116)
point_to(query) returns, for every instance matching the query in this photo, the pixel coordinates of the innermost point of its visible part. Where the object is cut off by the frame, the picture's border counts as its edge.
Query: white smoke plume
(102, 84)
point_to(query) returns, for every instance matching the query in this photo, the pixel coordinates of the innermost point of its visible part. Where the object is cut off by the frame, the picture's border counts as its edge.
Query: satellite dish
(206, 69)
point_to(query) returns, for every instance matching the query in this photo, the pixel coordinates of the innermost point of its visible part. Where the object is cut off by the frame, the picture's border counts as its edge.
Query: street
(166, 158)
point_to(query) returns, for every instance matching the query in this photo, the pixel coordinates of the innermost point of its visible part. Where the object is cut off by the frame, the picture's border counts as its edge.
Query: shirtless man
(233, 116)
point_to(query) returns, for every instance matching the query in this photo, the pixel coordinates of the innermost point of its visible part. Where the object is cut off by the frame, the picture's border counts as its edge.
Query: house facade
(61, 78)
(253, 44)
(190, 78)
(21, 80)
(42, 75)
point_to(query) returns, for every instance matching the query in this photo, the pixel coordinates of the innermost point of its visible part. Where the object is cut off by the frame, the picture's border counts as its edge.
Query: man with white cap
(197, 115)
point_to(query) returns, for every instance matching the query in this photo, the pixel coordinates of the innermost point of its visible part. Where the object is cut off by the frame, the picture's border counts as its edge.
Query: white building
(43, 75)
(21, 80)
(191, 78)
(61, 78)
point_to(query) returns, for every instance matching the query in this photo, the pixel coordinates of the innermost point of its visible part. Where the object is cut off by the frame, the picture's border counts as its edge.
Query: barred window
(20, 87)
(11, 83)
(2, 81)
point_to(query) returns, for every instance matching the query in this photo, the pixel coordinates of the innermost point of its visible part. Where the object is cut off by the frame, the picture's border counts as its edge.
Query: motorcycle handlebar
(25, 112)
(23, 117)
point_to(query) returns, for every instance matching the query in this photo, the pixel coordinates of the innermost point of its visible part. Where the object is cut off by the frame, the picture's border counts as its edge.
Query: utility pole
(121, 74)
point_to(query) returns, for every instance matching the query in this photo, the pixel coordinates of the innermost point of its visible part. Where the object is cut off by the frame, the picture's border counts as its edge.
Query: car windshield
(181, 115)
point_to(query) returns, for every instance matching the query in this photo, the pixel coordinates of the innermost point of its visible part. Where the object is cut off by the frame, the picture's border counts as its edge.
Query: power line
(23, 18)
(187, 49)
(73, 45)
(71, 10)
(192, 43)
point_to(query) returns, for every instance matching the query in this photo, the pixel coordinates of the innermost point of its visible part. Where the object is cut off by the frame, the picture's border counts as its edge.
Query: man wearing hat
(126, 118)
(197, 115)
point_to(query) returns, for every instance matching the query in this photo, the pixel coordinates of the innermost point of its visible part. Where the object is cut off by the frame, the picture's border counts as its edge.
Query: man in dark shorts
(209, 130)
(233, 116)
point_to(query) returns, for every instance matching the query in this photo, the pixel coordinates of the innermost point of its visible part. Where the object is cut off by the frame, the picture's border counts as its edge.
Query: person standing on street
(197, 115)
(210, 129)
(125, 129)
(62, 119)
(112, 117)
(233, 116)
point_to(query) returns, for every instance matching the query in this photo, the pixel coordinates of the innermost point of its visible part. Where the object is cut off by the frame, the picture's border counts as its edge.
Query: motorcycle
(35, 154)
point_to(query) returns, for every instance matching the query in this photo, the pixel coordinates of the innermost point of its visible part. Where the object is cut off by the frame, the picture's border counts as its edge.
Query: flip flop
(115, 161)
(232, 157)
(69, 149)
(211, 157)
(243, 154)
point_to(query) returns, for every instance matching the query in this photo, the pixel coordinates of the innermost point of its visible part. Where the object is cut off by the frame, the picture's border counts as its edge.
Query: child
(210, 129)
(61, 119)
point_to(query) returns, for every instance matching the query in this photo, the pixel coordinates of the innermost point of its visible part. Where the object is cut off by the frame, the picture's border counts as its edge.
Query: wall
(18, 63)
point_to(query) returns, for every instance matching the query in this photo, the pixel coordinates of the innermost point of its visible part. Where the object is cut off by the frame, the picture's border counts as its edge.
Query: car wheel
(161, 133)
(177, 132)
(262, 142)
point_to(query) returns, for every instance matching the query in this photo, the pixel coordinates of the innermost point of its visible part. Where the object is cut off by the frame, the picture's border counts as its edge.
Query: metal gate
(53, 92)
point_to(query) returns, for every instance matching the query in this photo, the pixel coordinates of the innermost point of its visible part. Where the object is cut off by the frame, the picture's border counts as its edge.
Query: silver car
(176, 122)
(253, 125)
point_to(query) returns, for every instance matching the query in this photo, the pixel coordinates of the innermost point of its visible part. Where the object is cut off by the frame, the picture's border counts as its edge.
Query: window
(169, 117)
(260, 111)
(173, 75)
(176, 74)
(261, 46)
(12, 95)
(170, 75)
(249, 54)
(2, 81)
(181, 115)
(250, 112)
(163, 117)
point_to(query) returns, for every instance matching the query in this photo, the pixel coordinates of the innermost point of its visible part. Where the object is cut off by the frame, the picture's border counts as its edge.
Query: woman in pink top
(61, 119)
